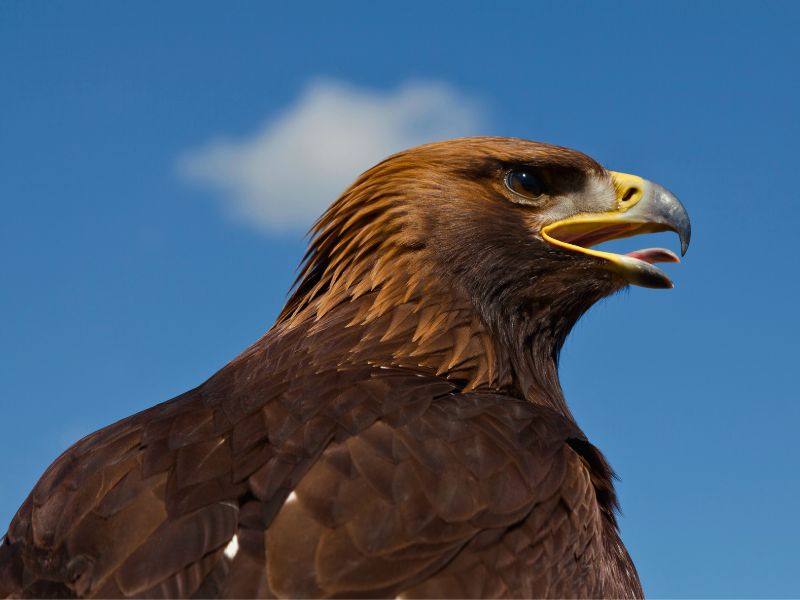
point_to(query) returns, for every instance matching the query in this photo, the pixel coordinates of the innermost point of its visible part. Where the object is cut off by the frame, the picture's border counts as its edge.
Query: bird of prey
(401, 430)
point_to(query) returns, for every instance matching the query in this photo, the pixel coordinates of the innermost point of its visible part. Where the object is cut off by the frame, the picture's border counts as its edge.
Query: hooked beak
(641, 207)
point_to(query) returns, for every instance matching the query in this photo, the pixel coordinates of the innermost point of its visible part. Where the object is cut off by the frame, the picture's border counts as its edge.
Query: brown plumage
(400, 430)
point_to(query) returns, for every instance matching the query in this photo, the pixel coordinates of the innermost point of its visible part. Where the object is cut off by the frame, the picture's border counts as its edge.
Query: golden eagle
(401, 430)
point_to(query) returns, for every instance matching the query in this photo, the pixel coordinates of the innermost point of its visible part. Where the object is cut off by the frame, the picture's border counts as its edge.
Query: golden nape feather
(401, 430)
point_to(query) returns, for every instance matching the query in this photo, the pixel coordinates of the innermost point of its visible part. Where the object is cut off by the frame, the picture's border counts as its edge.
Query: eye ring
(525, 182)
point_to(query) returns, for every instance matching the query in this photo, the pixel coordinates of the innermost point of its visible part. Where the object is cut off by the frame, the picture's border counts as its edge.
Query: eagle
(400, 431)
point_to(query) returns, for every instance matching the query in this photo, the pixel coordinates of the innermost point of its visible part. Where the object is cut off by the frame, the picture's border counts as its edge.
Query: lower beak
(642, 207)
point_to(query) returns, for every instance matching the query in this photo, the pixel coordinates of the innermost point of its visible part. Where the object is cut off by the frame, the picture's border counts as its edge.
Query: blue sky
(138, 256)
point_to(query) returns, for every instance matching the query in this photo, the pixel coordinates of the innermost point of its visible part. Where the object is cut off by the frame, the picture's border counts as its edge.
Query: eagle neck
(531, 326)
(419, 321)
(534, 353)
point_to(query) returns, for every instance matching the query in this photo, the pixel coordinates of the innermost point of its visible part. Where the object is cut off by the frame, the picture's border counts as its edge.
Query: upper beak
(641, 207)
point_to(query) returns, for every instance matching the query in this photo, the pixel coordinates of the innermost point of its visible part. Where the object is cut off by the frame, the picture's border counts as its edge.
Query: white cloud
(293, 166)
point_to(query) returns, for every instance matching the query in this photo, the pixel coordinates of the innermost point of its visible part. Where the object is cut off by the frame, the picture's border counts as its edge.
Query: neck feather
(398, 313)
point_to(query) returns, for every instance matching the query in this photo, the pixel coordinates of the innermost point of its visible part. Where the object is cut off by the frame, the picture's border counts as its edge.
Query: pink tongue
(654, 255)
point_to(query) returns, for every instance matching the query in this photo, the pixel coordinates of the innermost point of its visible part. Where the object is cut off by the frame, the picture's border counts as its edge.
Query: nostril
(629, 194)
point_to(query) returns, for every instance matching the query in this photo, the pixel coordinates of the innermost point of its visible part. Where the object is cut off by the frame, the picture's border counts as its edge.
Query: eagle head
(501, 228)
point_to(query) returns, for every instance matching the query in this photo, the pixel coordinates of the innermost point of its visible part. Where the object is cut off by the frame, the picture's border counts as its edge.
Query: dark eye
(525, 182)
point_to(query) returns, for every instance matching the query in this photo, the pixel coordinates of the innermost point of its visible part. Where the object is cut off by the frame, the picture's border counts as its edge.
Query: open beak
(641, 207)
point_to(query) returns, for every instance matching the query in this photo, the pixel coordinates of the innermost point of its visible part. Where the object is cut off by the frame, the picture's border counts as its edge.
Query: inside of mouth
(589, 235)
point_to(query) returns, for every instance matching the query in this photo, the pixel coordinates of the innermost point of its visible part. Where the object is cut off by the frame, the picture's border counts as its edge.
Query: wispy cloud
(290, 169)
